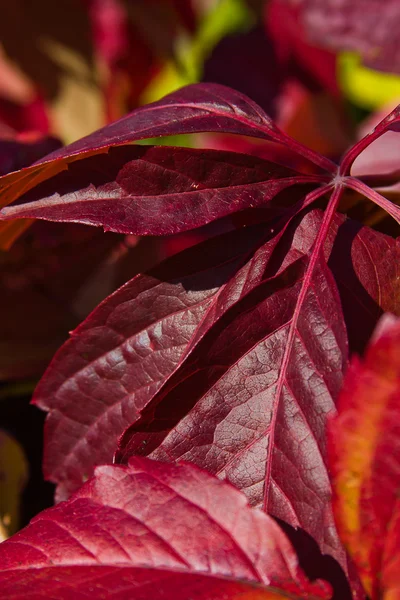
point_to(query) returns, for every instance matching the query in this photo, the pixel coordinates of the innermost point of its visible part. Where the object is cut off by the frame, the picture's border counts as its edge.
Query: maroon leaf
(194, 108)
(130, 188)
(250, 402)
(369, 28)
(151, 530)
(118, 358)
(131, 345)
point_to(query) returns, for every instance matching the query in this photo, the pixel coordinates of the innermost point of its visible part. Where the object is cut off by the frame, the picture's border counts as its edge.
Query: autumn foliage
(224, 421)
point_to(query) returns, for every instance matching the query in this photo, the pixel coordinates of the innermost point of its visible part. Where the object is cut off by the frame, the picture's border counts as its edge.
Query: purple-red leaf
(159, 190)
(152, 530)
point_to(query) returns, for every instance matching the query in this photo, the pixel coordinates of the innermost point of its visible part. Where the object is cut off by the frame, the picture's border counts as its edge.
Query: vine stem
(315, 255)
(360, 187)
(383, 127)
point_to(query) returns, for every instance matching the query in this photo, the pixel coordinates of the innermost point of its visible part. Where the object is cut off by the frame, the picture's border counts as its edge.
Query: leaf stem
(315, 255)
(383, 127)
(360, 187)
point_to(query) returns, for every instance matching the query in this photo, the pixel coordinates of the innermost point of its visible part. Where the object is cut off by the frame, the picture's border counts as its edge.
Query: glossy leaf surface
(153, 530)
(250, 403)
(196, 108)
(131, 345)
(189, 315)
(159, 190)
(365, 461)
(118, 358)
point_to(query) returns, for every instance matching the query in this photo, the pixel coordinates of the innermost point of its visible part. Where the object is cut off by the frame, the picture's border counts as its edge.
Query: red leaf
(116, 361)
(250, 402)
(128, 189)
(365, 459)
(151, 530)
(195, 108)
(119, 357)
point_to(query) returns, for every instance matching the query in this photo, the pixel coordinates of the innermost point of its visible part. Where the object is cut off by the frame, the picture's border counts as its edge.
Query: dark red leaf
(250, 402)
(159, 190)
(152, 530)
(119, 357)
(195, 108)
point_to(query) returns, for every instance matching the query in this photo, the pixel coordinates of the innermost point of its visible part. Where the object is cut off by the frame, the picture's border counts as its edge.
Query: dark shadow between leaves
(315, 564)
(361, 311)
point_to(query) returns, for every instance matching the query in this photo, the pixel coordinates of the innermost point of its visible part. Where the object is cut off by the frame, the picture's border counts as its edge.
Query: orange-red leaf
(365, 462)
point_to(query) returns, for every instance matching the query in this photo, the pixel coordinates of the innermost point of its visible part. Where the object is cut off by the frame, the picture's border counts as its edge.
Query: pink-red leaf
(365, 462)
(152, 530)
(158, 190)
